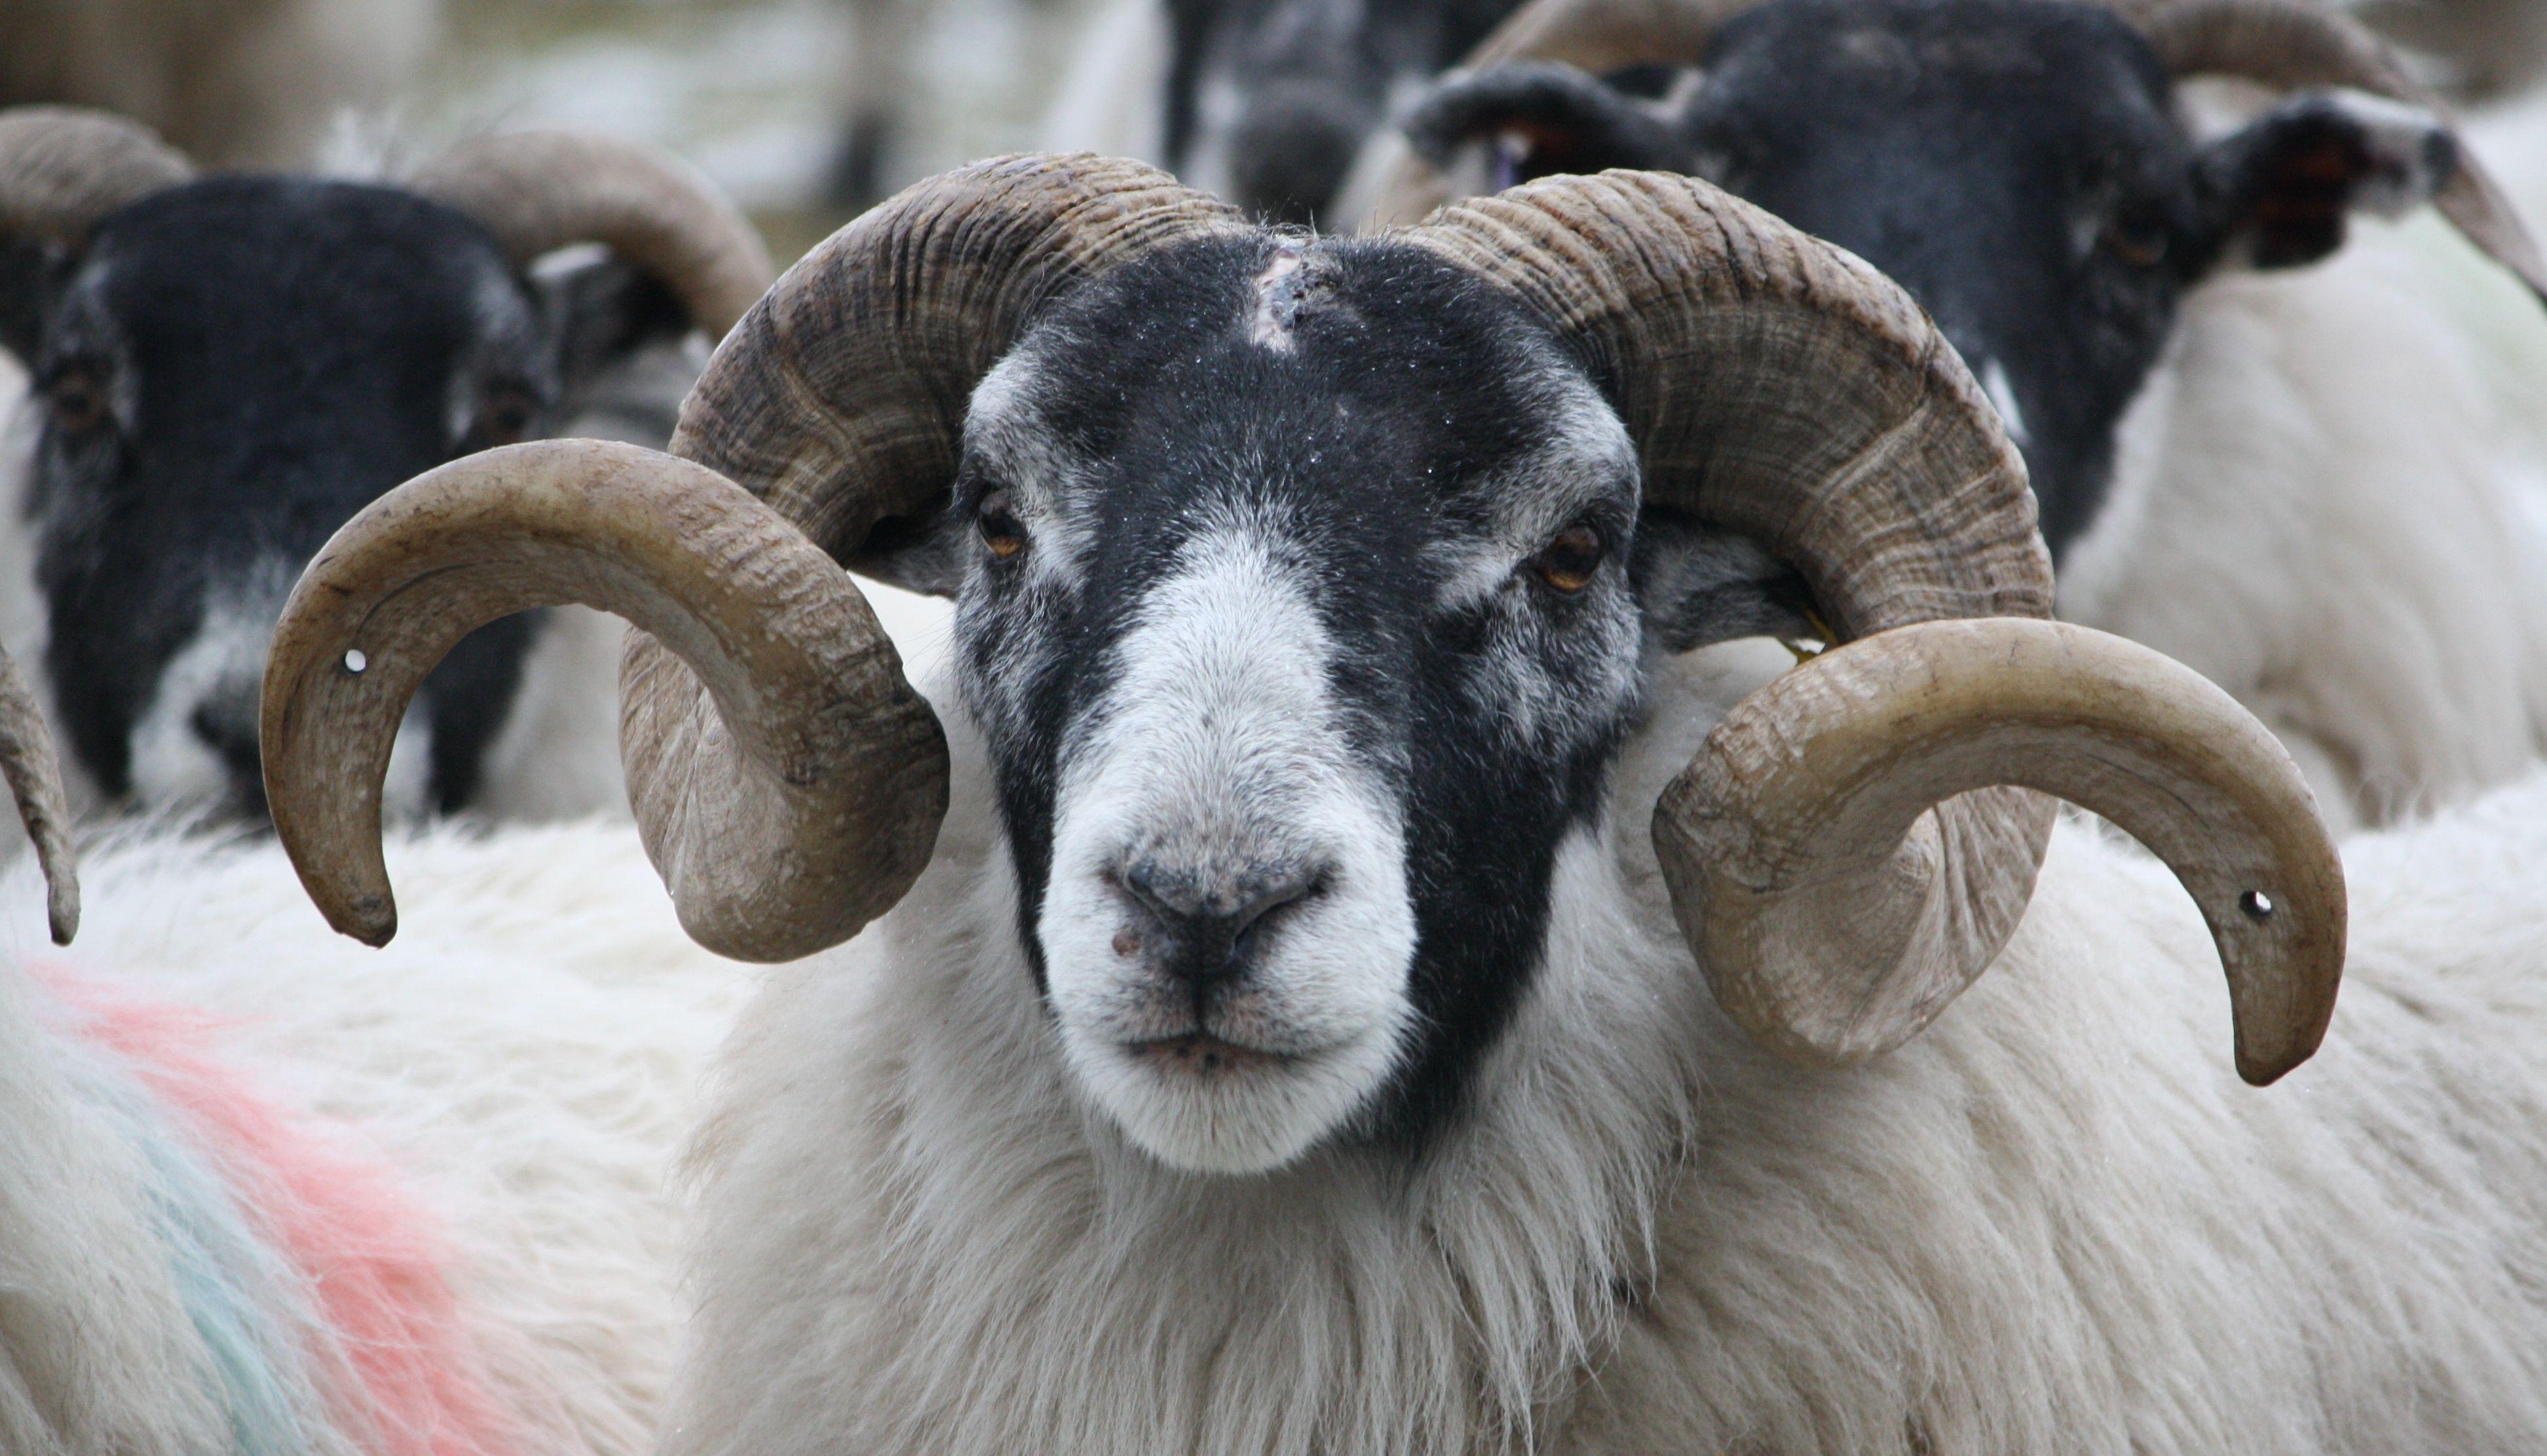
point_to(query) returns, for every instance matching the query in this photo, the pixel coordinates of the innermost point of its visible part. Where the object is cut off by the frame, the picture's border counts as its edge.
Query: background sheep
(225, 368)
(2300, 482)
(1282, 1030)
(1263, 102)
(261, 1196)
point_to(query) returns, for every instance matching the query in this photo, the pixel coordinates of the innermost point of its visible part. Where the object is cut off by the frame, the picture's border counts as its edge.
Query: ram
(1284, 1024)
(2297, 481)
(226, 367)
(257, 1200)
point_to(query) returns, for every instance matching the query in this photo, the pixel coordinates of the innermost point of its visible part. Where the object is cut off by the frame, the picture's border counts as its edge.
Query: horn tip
(368, 918)
(62, 913)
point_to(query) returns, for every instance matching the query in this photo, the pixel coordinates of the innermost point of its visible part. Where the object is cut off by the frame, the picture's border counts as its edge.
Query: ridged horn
(62, 168)
(828, 757)
(787, 781)
(35, 774)
(541, 190)
(1781, 387)
(1793, 819)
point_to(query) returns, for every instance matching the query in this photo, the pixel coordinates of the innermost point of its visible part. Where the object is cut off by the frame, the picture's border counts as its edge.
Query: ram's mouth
(1202, 1054)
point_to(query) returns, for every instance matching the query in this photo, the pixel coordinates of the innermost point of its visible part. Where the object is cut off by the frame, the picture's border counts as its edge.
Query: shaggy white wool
(525, 1053)
(2318, 505)
(2055, 1223)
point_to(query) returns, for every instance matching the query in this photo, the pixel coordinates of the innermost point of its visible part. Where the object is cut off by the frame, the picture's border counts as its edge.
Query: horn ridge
(1807, 814)
(540, 190)
(1829, 420)
(62, 168)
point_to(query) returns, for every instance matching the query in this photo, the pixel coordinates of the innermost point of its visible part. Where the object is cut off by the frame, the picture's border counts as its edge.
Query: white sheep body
(521, 1060)
(2319, 505)
(2056, 1222)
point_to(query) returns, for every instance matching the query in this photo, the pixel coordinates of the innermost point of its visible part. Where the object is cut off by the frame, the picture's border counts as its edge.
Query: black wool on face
(2018, 165)
(1440, 483)
(228, 372)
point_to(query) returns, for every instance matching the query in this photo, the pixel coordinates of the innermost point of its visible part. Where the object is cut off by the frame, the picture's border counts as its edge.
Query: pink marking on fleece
(376, 1260)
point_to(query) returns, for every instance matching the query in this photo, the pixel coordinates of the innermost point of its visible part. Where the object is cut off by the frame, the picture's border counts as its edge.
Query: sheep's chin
(1206, 1107)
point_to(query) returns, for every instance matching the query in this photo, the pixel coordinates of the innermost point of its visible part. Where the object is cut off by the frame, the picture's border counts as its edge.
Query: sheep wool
(264, 1192)
(2054, 1223)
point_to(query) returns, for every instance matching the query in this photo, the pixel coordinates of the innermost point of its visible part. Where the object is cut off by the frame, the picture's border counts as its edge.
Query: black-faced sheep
(2295, 479)
(1288, 1025)
(225, 368)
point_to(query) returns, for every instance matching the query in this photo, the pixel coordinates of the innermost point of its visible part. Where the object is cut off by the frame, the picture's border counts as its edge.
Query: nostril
(1271, 894)
(1163, 892)
(1216, 909)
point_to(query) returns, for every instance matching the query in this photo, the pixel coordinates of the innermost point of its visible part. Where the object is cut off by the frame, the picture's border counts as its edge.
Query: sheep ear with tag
(2278, 192)
(1533, 119)
(1698, 586)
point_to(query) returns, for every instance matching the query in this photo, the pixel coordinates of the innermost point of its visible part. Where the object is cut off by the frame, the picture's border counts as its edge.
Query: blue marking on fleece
(238, 1293)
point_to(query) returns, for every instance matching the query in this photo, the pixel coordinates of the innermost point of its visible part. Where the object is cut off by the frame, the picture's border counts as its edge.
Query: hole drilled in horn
(2257, 904)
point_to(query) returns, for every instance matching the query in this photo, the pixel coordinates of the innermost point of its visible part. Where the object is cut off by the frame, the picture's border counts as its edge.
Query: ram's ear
(2278, 192)
(1698, 586)
(1537, 120)
(607, 315)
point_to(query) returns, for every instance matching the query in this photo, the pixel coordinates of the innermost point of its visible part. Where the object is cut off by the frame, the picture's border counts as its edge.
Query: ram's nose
(1202, 925)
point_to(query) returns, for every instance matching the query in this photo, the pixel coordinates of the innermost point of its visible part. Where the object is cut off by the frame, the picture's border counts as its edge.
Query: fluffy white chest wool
(2056, 1222)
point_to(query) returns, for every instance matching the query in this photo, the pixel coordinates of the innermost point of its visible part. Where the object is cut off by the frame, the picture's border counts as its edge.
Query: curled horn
(35, 775)
(540, 190)
(788, 782)
(1840, 877)
(62, 168)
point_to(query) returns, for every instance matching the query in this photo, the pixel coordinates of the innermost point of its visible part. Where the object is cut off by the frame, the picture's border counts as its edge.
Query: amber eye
(1002, 532)
(2139, 241)
(1570, 561)
(504, 416)
(77, 400)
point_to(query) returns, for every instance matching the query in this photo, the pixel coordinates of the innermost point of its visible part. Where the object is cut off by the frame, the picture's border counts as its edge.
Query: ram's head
(227, 368)
(1307, 593)
(2030, 170)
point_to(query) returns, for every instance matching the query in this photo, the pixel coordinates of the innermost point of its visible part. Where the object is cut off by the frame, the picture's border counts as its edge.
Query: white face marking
(1278, 297)
(214, 680)
(1219, 752)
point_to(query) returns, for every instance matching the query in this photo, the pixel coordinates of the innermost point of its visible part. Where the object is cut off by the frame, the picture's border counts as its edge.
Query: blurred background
(806, 109)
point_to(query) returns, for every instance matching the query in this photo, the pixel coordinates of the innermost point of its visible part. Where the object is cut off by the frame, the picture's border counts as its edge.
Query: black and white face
(228, 373)
(1300, 608)
(2020, 166)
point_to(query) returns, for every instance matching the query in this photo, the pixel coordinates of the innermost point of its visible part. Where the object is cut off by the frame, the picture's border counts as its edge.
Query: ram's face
(2020, 166)
(1298, 615)
(231, 371)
